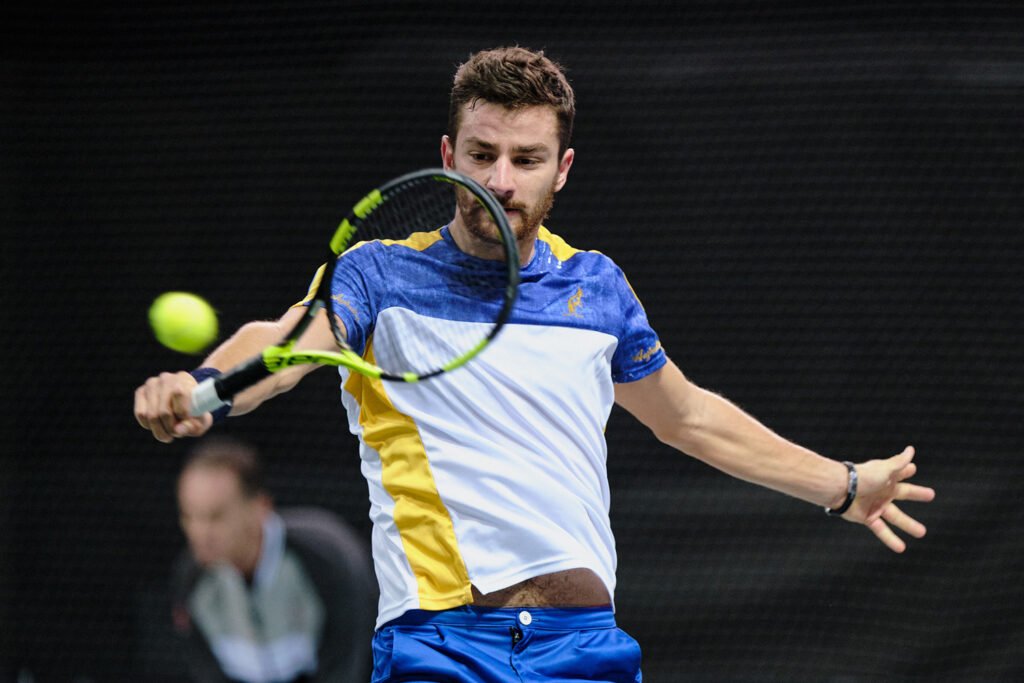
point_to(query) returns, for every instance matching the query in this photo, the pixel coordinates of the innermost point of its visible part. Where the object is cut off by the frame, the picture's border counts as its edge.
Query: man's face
(221, 524)
(514, 154)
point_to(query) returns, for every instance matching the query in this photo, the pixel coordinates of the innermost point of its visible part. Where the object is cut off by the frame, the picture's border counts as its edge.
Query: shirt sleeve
(639, 352)
(351, 293)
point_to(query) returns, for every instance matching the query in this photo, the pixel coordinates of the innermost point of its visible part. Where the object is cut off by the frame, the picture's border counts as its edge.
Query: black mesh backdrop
(819, 204)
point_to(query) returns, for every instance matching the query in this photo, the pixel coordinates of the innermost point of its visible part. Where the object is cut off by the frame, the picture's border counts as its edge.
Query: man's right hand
(162, 407)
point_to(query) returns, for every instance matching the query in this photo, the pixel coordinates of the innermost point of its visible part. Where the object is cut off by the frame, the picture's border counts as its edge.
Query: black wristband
(220, 414)
(851, 491)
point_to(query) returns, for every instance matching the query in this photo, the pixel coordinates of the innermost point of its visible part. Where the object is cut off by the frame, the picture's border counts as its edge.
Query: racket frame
(218, 391)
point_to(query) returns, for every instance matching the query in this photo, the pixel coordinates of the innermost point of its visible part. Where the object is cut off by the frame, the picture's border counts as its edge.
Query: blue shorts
(503, 645)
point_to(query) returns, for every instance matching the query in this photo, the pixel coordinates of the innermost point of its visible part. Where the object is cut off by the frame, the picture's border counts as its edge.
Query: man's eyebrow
(531, 149)
(520, 149)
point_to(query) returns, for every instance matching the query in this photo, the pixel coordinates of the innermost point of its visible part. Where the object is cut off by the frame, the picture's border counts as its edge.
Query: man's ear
(447, 153)
(563, 168)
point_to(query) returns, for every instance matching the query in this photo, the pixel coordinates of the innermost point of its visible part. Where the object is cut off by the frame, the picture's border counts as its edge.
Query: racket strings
(421, 206)
(440, 303)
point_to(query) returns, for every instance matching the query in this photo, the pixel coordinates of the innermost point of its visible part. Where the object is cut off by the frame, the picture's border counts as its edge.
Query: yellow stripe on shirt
(559, 247)
(423, 521)
(418, 241)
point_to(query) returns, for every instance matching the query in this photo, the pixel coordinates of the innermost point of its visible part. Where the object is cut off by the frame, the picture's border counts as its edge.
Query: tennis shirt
(496, 472)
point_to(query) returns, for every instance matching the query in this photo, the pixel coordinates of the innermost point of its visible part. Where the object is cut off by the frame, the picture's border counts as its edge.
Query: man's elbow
(684, 423)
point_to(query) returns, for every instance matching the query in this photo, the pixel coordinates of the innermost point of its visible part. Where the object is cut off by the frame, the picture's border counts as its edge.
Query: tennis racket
(404, 213)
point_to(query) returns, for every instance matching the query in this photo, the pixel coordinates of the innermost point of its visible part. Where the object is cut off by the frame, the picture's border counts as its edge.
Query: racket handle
(205, 399)
(216, 392)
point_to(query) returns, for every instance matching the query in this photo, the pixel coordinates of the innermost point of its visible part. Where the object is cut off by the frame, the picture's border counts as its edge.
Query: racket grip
(216, 392)
(205, 399)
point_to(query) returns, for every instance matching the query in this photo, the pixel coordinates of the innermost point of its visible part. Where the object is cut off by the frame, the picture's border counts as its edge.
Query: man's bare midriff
(569, 588)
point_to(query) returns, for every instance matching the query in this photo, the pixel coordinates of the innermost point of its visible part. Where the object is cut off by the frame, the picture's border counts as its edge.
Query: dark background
(819, 204)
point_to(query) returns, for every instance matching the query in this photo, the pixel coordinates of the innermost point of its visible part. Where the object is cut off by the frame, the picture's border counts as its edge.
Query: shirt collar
(271, 551)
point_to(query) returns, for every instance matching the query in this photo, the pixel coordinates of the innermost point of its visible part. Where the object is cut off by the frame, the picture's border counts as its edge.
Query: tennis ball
(183, 322)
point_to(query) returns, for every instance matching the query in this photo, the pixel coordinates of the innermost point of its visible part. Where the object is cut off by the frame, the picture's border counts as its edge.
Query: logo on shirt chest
(574, 305)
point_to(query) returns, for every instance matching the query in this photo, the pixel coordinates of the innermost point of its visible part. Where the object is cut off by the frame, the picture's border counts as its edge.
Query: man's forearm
(247, 342)
(720, 434)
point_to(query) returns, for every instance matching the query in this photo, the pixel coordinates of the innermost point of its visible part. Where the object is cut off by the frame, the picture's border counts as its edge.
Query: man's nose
(500, 182)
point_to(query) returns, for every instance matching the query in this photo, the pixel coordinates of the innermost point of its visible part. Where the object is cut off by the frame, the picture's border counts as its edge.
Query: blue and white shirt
(494, 473)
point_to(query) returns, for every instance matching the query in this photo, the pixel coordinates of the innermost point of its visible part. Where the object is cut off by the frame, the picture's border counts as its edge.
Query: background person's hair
(224, 452)
(513, 77)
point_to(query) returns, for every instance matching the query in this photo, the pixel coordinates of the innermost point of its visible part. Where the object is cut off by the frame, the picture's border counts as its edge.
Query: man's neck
(248, 564)
(473, 246)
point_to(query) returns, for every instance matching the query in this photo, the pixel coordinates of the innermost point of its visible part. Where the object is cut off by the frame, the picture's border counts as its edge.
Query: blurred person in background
(265, 596)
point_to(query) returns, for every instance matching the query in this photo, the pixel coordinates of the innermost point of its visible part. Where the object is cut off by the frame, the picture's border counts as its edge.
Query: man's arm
(162, 402)
(710, 428)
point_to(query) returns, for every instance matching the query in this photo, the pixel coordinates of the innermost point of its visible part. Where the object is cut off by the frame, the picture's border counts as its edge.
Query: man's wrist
(202, 373)
(842, 503)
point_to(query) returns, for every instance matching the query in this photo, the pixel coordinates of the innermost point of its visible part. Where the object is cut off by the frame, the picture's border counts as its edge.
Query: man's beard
(480, 225)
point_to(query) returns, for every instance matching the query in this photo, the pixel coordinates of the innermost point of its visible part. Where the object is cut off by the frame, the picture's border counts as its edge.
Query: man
(263, 597)
(493, 547)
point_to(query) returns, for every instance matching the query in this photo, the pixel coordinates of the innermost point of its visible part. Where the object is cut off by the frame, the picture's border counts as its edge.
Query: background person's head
(222, 503)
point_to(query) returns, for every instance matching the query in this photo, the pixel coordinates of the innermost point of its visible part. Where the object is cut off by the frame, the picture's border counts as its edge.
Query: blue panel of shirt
(586, 291)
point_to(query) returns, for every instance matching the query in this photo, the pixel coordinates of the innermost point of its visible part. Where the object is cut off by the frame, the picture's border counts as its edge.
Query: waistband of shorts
(546, 618)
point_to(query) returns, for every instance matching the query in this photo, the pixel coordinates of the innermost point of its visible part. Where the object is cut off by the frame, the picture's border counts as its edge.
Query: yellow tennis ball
(183, 321)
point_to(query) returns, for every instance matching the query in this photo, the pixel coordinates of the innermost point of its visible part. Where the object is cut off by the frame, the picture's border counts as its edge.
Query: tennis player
(488, 486)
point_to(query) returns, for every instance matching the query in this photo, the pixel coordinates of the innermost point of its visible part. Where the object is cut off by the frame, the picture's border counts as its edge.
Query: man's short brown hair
(227, 453)
(513, 77)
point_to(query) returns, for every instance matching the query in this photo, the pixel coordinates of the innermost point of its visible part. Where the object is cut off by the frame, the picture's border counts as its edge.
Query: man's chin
(487, 238)
(485, 232)
(525, 232)
(207, 561)
(483, 229)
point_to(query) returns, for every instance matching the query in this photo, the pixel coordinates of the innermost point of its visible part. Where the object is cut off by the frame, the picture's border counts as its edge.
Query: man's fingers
(159, 432)
(141, 415)
(915, 493)
(181, 405)
(903, 521)
(147, 411)
(901, 460)
(907, 472)
(884, 483)
(887, 536)
(168, 419)
(162, 405)
(194, 426)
